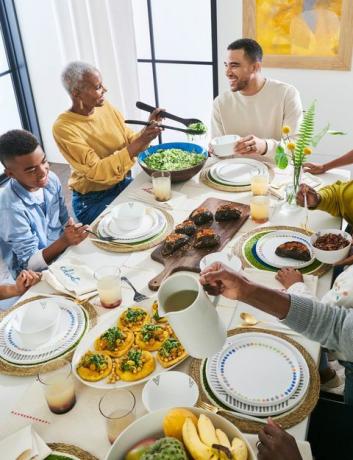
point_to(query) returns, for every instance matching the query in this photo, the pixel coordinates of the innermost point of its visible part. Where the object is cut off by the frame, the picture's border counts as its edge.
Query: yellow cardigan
(95, 147)
(337, 200)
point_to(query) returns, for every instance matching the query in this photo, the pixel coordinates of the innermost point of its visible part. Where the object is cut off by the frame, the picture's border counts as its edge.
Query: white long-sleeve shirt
(264, 114)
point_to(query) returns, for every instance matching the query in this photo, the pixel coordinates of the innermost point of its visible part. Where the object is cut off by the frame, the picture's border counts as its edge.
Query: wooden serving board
(188, 258)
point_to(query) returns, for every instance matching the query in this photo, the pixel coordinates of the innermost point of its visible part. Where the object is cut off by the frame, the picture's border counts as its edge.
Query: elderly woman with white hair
(94, 139)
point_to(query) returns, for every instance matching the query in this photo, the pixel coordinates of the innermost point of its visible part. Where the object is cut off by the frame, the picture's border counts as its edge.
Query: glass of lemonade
(161, 185)
(118, 409)
(260, 209)
(59, 388)
(109, 286)
(259, 184)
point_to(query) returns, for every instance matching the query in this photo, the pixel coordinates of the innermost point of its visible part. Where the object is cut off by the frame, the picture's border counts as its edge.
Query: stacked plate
(236, 172)
(257, 374)
(153, 223)
(259, 250)
(71, 327)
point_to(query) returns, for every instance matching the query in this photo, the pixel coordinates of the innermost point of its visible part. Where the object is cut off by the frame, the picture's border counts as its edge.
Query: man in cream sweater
(256, 108)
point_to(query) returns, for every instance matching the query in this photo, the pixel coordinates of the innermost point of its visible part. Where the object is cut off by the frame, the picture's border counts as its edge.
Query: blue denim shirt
(26, 226)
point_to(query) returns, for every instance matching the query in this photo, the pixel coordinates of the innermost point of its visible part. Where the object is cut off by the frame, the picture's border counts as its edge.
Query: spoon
(184, 121)
(250, 320)
(147, 123)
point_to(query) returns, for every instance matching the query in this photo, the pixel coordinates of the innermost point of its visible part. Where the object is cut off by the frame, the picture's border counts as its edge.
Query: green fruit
(165, 449)
(136, 452)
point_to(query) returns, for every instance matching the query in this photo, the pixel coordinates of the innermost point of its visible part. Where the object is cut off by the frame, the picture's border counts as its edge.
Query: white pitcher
(198, 326)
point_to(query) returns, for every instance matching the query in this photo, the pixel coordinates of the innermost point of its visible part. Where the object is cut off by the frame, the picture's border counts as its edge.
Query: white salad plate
(254, 358)
(217, 394)
(87, 344)
(153, 223)
(267, 244)
(73, 323)
(237, 171)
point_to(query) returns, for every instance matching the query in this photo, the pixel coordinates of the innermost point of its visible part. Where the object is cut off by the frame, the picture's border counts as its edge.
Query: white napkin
(145, 194)
(285, 177)
(267, 278)
(71, 277)
(24, 444)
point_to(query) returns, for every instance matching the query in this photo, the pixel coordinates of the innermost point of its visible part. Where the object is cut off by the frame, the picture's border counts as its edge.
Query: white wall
(332, 89)
(55, 32)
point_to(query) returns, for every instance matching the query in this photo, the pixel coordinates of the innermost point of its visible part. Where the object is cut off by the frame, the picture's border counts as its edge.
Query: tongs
(184, 121)
(147, 123)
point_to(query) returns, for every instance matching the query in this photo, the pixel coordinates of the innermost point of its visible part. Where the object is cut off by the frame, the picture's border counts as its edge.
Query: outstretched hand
(276, 444)
(218, 279)
(314, 168)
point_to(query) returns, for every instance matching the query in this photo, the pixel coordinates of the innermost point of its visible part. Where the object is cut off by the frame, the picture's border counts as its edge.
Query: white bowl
(127, 216)
(330, 257)
(36, 322)
(151, 425)
(223, 145)
(231, 261)
(170, 389)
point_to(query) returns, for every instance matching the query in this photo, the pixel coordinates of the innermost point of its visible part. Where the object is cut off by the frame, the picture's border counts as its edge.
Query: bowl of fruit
(181, 433)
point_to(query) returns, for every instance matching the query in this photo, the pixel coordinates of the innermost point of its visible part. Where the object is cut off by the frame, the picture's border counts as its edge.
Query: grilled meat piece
(294, 250)
(187, 228)
(206, 238)
(226, 212)
(173, 242)
(201, 216)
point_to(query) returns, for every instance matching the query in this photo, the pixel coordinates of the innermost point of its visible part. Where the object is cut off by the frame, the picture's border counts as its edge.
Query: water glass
(118, 409)
(59, 388)
(260, 209)
(259, 184)
(109, 286)
(161, 185)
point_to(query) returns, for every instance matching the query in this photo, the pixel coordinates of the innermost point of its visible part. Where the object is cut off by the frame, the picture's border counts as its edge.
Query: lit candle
(259, 209)
(259, 184)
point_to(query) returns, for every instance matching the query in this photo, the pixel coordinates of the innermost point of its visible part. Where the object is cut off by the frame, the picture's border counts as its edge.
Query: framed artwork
(309, 34)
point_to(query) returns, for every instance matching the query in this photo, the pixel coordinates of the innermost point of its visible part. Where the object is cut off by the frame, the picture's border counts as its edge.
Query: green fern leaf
(305, 134)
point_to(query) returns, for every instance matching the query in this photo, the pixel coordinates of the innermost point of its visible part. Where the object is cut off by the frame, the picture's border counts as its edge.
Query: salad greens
(199, 127)
(173, 159)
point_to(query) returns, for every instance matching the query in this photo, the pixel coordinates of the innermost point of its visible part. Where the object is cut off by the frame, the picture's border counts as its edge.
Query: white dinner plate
(257, 369)
(267, 244)
(237, 171)
(87, 344)
(217, 394)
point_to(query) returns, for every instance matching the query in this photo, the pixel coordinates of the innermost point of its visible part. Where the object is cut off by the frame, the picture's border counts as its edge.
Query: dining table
(21, 398)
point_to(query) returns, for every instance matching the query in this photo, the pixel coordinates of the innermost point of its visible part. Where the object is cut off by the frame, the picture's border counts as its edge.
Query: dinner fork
(216, 410)
(138, 297)
(102, 238)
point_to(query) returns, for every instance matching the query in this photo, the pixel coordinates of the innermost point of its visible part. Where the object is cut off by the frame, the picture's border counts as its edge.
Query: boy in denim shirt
(35, 226)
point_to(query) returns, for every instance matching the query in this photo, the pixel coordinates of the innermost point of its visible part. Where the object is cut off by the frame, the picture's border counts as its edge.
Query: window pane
(145, 78)
(187, 91)
(3, 60)
(142, 31)
(182, 30)
(9, 115)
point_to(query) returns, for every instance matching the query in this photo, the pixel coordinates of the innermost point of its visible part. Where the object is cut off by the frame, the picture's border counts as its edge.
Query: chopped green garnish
(132, 360)
(111, 336)
(134, 315)
(173, 159)
(199, 127)
(147, 331)
(168, 346)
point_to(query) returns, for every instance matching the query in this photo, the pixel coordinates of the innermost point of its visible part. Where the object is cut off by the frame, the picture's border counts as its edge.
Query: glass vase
(292, 189)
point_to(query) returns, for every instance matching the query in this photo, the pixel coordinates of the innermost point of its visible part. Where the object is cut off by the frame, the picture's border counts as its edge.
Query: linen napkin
(284, 178)
(145, 194)
(24, 444)
(69, 276)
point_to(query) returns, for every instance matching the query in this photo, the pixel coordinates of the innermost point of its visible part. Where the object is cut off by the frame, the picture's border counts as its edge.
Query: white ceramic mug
(198, 326)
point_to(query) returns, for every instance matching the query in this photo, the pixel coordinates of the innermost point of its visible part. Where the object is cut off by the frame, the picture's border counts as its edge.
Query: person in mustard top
(94, 139)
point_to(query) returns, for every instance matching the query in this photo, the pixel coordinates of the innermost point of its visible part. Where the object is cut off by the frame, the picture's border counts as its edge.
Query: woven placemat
(318, 269)
(118, 247)
(71, 450)
(25, 370)
(207, 180)
(287, 420)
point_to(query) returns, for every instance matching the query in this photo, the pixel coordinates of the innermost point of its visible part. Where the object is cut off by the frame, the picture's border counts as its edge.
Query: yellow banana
(198, 450)
(207, 431)
(222, 438)
(239, 449)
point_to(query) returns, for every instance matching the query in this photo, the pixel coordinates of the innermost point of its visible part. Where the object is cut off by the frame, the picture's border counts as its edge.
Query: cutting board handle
(155, 282)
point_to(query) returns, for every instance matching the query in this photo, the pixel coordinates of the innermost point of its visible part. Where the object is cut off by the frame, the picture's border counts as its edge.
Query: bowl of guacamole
(182, 159)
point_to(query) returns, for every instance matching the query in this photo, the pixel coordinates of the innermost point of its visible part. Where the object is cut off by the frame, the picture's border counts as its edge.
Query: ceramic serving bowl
(127, 216)
(223, 145)
(36, 322)
(179, 175)
(330, 257)
(151, 425)
(170, 389)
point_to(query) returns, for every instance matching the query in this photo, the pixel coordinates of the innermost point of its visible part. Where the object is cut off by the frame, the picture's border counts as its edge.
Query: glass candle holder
(161, 185)
(109, 286)
(118, 409)
(259, 184)
(260, 209)
(59, 388)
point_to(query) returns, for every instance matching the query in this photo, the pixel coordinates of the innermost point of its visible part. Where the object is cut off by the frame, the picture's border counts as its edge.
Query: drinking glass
(118, 409)
(59, 388)
(109, 286)
(259, 184)
(161, 185)
(260, 209)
